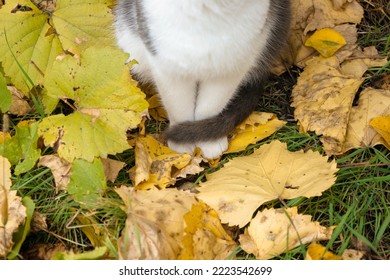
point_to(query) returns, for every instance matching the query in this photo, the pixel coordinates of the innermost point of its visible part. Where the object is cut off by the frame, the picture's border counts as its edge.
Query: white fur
(214, 43)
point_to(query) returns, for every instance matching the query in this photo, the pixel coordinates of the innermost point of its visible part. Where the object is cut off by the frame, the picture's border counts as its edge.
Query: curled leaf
(157, 165)
(326, 41)
(257, 126)
(382, 126)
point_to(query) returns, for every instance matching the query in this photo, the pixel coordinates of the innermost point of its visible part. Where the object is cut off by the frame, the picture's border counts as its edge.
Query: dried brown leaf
(324, 94)
(308, 16)
(19, 106)
(14, 217)
(60, 169)
(38, 222)
(112, 168)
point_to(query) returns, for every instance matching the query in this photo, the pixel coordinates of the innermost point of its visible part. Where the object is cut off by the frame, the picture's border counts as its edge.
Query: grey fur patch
(132, 13)
(143, 28)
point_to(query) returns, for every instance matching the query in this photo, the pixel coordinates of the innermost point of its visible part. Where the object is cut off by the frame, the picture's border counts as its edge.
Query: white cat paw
(213, 149)
(187, 148)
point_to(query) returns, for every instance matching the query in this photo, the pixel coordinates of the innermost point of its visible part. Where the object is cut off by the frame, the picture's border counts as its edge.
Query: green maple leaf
(21, 150)
(36, 37)
(99, 80)
(108, 103)
(83, 136)
(87, 182)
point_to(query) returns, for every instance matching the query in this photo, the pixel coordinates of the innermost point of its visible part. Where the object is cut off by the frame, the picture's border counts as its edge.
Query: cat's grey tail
(236, 111)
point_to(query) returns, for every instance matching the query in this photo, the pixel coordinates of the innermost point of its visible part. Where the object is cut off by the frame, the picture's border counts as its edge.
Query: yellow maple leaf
(271, 172)
(157, 165)
(326, 41)
(275, 231)
(205, 238)
(71, 26)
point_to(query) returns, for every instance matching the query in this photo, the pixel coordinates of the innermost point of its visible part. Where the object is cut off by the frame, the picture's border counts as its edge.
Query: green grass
(358, 203)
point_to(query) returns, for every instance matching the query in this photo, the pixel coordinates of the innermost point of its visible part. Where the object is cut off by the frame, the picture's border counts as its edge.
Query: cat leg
(213, 96)
(178, 97)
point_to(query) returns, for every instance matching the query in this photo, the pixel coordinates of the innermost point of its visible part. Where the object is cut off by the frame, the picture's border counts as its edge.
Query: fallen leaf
(205, 238)
(326, 41)
(97, 253)
(275, 231)
(323, 98)
(318, 252)
(361, 60)
(19, 106)
(87, 182)
(69, 27)
(4, 135)
(142, 239)
(112, 168)
(99, 126)
(350, 34)
(156, 109)
(157, 165)
(330, 13)
(257, 126)
(5, 174)
(38, 222)
(372, 103)
(22, 149)
(271, 172)
(92, 229)
(324, 94)
(24, 229)
(382, 126)
(350, 254)
(154, 226)
(309, 16)
(81, 136)
(44, 251)
(60, 169)
(12, 211)
(383, 82)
